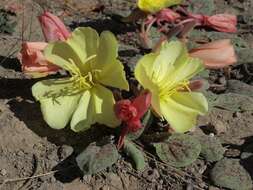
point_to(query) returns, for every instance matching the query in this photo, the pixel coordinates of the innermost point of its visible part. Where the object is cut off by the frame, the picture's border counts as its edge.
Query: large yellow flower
(153, 6)
(82, 98)
(166, 74)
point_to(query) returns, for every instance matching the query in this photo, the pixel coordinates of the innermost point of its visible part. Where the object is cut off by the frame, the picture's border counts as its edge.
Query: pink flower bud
(33, 60)
(217, 54)
(53, 28)
(223, 22)
(219, 22)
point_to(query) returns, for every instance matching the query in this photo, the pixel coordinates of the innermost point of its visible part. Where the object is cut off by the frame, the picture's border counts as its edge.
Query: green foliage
(97, 158)
(137, 155)
(234, 102)
(211, 148)
(230, 174)
(6, 25)
(236, 86)
(179, 150)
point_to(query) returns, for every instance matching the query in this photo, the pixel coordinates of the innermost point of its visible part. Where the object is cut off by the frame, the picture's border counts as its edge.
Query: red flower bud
(130, 112)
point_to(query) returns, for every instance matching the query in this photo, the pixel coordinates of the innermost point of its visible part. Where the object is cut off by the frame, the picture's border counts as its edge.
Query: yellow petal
(113, 75)
(52, 88)
(181, 109)
(170, 56)
(143, 71)
(62, 55)
(82, 118)
(57, 112)
(156, 5)
(111, 70)
(84, 41)
(103, 102)
(107, 51)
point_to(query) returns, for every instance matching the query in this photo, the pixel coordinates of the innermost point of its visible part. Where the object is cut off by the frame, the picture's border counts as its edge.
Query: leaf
(178, 150)
(97, 158)
(229, 173)
(238, 87)
(234, 102)
(137, 155)
(211, 148)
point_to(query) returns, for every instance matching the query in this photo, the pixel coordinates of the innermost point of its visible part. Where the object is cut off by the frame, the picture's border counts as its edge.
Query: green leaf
(234, 102)
(179, 150)
(97, 158)
(211, 148)
(137, 155)
(229, 173)
(238, 87)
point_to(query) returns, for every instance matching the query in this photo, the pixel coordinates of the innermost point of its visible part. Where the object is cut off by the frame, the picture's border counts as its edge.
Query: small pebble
(3, 172)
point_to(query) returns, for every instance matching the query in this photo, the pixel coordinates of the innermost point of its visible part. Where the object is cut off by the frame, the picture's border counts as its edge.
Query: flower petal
(143, 71)
(62, 55)
(82, 118)
(84, 41)
(113, 75)
(112, 71)
(107, 50)
(57, 112)
(103, 101)
(142, 103)
(181, 109)
(53, 88)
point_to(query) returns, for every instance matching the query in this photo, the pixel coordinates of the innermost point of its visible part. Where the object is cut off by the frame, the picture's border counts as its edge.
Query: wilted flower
(217, 54)
(130, 112)
(53, 28)
(166, 75)
(82, 98)
(166, 15)
(33, 60)
(153, 6)
(219, 22)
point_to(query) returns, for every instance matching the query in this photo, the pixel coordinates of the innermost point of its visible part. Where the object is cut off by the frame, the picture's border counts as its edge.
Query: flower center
(82, 82)
(181, 86)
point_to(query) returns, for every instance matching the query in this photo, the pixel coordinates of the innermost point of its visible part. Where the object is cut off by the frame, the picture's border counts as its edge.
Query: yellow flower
(82, 98)
(166, 74)
(154, 6)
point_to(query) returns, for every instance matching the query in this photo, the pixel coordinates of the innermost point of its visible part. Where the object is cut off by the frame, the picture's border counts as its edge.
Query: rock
(247, 152)
(3, 172)
(114, 180)
(65, 151)
(228, 173)
(151, 175)
(232, 152)
(211, 148)
(219, 126)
